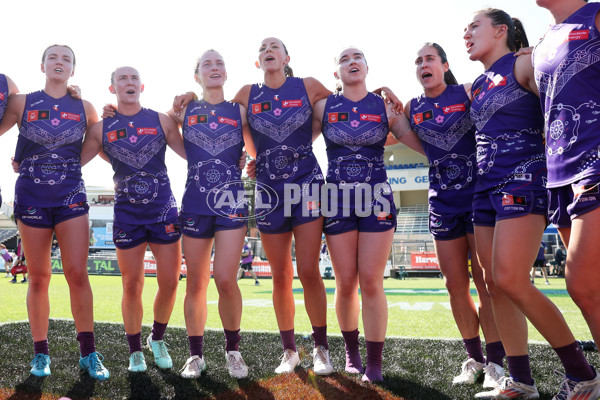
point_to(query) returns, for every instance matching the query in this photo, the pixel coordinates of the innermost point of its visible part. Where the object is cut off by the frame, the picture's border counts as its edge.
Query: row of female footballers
(498, 115)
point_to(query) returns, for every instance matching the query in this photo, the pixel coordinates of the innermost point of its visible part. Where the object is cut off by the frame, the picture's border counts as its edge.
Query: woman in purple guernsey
(134, 140)
(359, 206)
(510, 203)
(567, 72)
(213, 211)
(7, 89)
(280, 116)
(440, 117)
(50, 199)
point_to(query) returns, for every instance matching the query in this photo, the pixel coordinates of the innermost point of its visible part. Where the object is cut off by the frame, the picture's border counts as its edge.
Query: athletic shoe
(256, 283)
(471, 371)
(236, 365)
(40, 365)
(510, 389)
(161, 355)
(8, 275)
(572, 390)
(321, 362)
(92, 363)
(193, 368)
(24, 280)
(289, 361)
(137, 362)
(494, 374)
(546, 283)
(13, 280)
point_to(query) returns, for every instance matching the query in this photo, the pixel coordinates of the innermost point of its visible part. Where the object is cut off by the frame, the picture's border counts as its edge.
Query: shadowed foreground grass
(413, 369)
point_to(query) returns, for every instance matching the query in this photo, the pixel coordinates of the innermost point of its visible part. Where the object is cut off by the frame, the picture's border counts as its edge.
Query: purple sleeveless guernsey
(3, 94)
(136, 148)
(3, 100)
(212, 135)
(281, 124)
(509, 131)
(355, 134)
(49, 150)
(567, 72)
(444, 126)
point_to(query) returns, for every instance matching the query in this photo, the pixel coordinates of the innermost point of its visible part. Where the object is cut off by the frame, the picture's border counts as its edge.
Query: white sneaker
(289, 361)
(494, 374)
(510, 389)
(471, 371)
(321, 362)
(570, 389)
(236, 365)
(193, 368)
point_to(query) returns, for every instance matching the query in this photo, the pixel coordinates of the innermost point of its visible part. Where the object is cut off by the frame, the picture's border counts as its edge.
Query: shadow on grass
(29, 389)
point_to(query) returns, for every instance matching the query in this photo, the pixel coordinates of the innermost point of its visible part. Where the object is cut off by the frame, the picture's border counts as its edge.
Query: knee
(283, 279)
(510, 283)
(226, 287)
(310, 276)
(456, 286)
(133, 287)
(584, 293)
(39, 282)
(77, 278)
(371, 287)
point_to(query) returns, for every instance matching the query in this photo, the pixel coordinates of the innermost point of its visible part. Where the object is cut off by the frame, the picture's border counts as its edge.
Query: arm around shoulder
(315, 89)
(172, 134)
(14, 112)
(242, 95)
(524, 73)
(92, 143)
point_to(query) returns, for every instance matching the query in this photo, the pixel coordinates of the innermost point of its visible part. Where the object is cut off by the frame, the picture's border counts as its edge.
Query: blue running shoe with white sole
(40, 365)
(137, 362)
(92, 363)
(161, 355)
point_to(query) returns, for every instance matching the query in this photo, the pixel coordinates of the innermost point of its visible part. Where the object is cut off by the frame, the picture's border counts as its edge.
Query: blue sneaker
(92, 363)
(161, 355)
(40, 365)
(137, 362)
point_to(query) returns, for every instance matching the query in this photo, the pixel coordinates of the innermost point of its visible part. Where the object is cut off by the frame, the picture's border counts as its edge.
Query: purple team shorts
(49, 217)
(579, 198)
(127, 236)
(283, 219)
(380, 219)
(450, 226)
(558, 200)
(204, 226)
(491, 207)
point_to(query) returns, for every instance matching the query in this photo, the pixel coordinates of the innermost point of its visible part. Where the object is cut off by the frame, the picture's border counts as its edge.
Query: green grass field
(418, 307)
(419, 360)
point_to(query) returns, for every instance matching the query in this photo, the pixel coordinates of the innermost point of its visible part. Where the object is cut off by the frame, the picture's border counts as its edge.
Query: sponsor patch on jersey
(312, 205)
(170, 228)
(147, 131)
(261, 107)
(497, 80)
(291, 103)
(197, 119)
(454, 108)
(509, 200)
(74, 205)
(583, 34)
(70, 116)
(383, 216)
(370, 117)
(234, 216)
(585, 189)
(476, 92)
(422, 117)
(228, 121)
(2, 96)
(337, 117)
(118, 134)
(37, 115)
